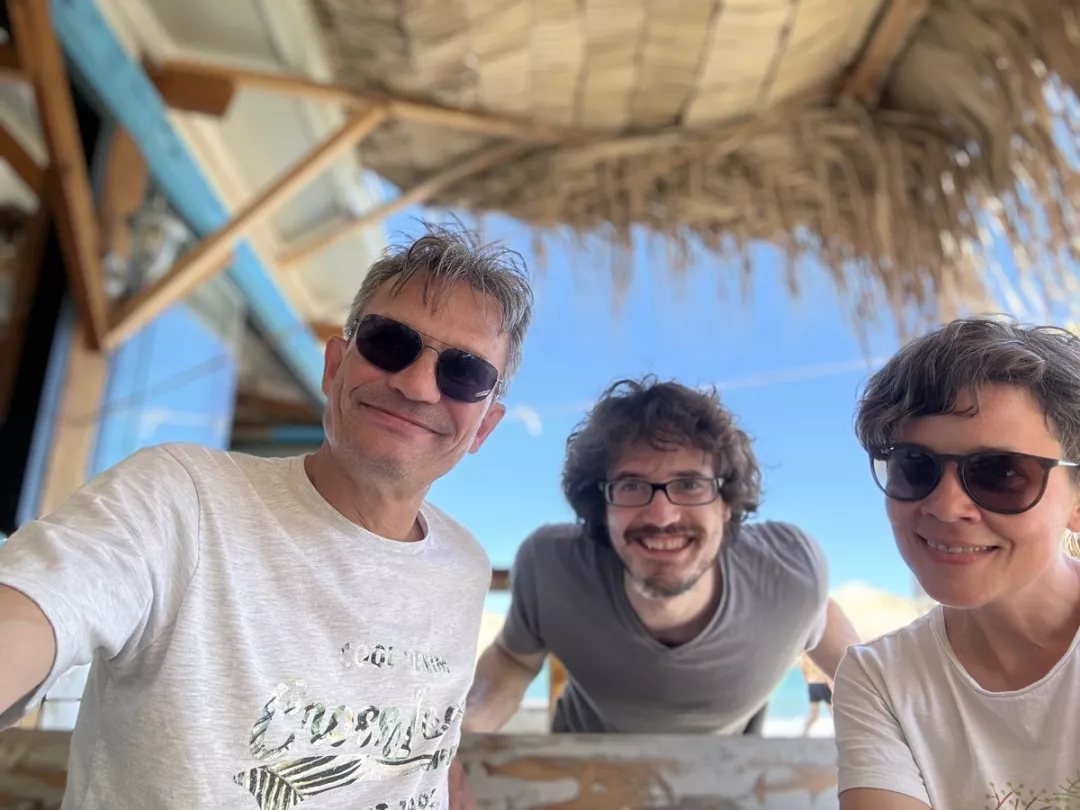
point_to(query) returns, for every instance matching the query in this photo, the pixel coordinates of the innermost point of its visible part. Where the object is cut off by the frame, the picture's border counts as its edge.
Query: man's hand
(461, 796)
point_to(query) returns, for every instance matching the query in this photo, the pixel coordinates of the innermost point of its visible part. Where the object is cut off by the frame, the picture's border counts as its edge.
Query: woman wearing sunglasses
(973, 434)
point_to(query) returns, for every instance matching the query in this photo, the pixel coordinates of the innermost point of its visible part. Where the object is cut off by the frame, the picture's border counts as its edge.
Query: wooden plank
(123, 190)
(895, 25)
(73, 204)
(324, 330)
(212, 255)
(27, 273)
(21, 162)
(192, 91)
(256, 409)
(615, 771)
(192, 82)
(553, 772)
(420, 193)
(557, 676)
(75, 428)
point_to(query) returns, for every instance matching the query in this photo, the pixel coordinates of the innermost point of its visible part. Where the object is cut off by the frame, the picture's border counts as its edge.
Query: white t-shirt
(249, 646)
(911, 720)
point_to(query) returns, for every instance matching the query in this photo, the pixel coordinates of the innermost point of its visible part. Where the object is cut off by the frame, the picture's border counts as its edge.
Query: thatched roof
(724, 121)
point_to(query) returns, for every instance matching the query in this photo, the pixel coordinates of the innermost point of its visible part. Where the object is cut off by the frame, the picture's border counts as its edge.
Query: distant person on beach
(973, 434)
(819, 689)
(670, 612)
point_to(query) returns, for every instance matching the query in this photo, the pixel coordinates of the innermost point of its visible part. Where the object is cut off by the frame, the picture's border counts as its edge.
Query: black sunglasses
(393, 346)
(996, 480)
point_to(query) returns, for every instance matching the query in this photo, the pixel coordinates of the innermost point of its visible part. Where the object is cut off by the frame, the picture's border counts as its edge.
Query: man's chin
(662, 587)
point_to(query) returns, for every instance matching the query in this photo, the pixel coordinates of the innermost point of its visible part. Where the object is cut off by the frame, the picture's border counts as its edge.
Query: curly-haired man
(669, 611)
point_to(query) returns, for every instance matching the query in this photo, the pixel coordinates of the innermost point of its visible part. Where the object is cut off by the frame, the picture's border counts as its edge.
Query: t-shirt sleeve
(521, 630)
(872, 750)
(807, 564)
(110, 566)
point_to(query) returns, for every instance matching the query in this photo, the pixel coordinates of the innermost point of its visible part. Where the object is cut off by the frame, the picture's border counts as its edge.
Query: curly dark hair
(664, 414)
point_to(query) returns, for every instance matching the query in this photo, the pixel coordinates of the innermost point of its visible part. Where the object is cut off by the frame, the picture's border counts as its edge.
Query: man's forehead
(646, 457)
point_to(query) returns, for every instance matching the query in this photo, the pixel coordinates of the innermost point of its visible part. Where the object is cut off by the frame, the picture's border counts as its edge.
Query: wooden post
(72, 201)
(76, 423)
(211, 255)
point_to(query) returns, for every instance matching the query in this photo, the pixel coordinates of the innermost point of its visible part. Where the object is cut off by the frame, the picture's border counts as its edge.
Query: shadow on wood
(551, 772)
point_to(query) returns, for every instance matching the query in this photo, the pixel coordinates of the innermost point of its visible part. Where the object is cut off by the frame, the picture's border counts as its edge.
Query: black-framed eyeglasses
(680, 491)
(394, 346)
(996, 480)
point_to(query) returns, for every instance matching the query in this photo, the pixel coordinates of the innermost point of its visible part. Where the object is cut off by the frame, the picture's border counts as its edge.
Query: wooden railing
(550, 771)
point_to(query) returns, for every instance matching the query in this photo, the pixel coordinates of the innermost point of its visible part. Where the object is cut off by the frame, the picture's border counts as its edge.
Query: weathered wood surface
(616, 771)
(551, 772)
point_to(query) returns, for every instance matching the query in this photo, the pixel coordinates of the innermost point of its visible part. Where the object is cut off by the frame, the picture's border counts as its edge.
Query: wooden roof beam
(420, 193)
(897, 22)
(72, 201)
(206, 88)
(212, 254)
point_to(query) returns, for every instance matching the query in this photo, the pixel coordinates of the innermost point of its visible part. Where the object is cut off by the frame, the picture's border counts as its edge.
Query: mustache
(425, 415)
(690, 530)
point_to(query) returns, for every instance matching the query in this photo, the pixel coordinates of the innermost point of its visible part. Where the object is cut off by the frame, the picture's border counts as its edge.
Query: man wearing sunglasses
(670, 612)
(262, 632)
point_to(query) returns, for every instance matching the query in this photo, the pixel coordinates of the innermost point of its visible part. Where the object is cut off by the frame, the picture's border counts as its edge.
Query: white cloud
(528, 417)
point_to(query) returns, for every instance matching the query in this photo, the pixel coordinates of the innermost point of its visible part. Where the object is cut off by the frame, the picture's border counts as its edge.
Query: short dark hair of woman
(665, 415)
(928, 376)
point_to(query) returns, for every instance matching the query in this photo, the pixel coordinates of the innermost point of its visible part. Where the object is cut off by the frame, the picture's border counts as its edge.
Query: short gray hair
(927, 376)
(446, 257)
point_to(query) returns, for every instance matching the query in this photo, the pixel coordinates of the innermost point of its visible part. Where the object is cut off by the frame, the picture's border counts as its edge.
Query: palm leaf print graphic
(285, 784)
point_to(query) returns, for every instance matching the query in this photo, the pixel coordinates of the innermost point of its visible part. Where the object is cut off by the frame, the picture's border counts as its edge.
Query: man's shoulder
(453, 533)
(783, 542)
(209, 471)
(562, 544)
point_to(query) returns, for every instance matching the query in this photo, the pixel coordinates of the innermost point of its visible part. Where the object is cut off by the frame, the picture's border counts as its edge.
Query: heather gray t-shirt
(569, 598)
(249, 646)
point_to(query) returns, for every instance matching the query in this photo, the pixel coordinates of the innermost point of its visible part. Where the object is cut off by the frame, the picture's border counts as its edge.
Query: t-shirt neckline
(937, 622)
(314, 501)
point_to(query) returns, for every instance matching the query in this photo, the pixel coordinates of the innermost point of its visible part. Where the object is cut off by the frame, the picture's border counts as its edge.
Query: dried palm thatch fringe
(894, 201)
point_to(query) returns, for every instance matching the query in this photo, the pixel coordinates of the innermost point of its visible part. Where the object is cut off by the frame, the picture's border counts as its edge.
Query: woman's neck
(1014, 642)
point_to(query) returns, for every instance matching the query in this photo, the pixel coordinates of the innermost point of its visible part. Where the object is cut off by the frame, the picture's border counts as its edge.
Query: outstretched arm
(838, 636)
(498, 686)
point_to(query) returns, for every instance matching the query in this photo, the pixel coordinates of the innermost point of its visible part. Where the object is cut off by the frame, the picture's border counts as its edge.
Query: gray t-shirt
(569, 598)
(249, 646)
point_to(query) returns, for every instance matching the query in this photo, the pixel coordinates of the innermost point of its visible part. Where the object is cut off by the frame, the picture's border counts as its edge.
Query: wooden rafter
(199, 87)
(324, 330)
(420, 193)
(23, 164)
(72, 200)
(212, 255)
(895, 25)
(256, 409)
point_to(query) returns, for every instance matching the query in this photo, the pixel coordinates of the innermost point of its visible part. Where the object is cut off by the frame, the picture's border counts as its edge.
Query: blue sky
(791, 372)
